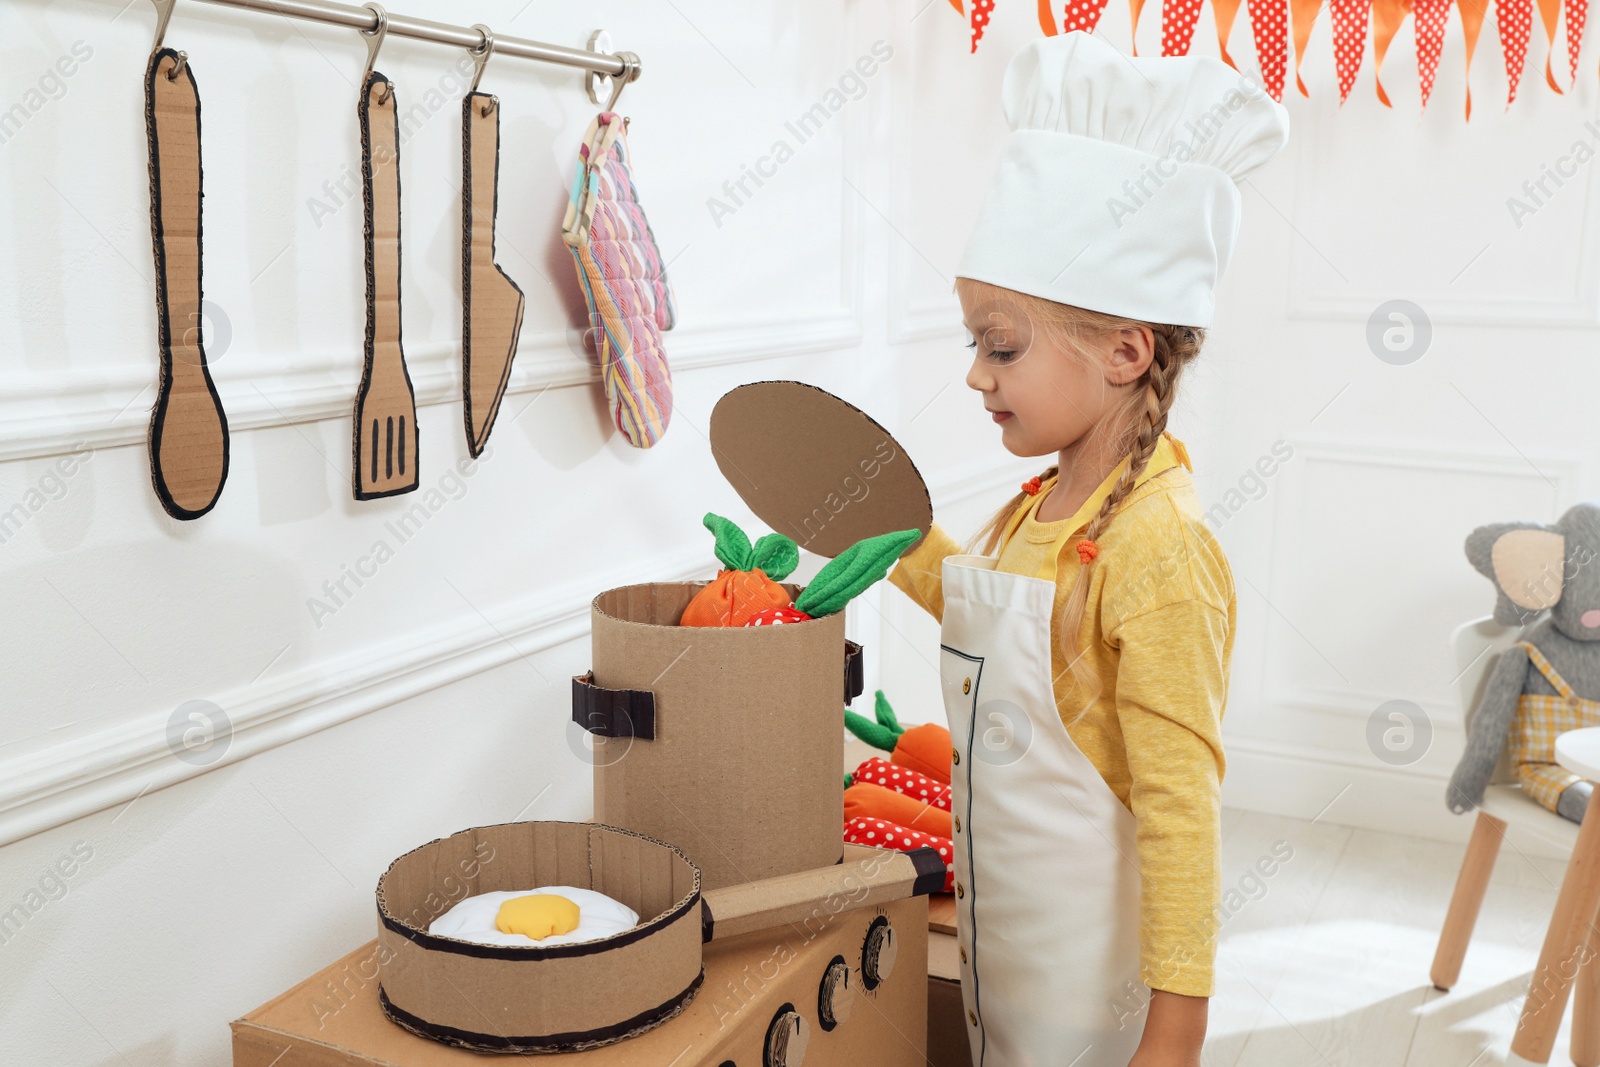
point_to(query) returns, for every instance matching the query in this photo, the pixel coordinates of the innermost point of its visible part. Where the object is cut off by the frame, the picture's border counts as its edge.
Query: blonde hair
(1135, 427)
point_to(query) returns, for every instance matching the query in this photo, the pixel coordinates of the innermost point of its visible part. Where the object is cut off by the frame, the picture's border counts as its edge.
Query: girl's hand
(1174, 1031)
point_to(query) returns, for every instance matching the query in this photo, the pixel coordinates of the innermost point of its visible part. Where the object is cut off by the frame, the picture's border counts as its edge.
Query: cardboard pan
(572, 997)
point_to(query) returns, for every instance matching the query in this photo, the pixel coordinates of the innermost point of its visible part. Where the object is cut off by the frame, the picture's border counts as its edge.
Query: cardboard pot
(721, 741)
(557, 998)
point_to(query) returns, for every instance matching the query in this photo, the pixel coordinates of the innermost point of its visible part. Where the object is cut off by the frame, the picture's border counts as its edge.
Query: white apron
(1047, 887)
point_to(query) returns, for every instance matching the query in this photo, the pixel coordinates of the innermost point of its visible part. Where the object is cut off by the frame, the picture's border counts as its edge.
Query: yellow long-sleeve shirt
(1158, 629)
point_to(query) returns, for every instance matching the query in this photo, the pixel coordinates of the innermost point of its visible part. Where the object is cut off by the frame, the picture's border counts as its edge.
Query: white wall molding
(51, 783)
(1313, 295)
(48, 783)
(50, 414)
(1562, 472)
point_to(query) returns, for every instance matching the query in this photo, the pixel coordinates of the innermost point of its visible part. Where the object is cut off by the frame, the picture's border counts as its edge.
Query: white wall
(436, 697)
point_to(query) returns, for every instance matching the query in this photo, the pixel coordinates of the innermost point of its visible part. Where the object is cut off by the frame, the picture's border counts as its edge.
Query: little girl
(1085, 668)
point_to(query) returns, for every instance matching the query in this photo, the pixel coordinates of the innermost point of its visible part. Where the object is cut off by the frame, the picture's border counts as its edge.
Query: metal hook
(374, 42)
(164, 16)
(630, 72)
(480, 57)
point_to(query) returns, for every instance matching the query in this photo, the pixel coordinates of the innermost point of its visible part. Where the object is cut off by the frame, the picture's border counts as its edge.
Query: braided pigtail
(1174, 347)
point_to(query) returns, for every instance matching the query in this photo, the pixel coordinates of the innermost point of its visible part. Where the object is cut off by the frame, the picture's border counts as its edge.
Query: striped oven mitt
(624, 282)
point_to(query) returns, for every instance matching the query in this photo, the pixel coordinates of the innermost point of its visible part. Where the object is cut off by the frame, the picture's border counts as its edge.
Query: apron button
(959, 891)
(958, 824)
(966, 685)
(955, 757)
(971, 1018)
(963, 954)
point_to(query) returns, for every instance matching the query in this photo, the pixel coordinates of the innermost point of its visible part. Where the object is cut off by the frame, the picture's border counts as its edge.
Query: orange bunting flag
(1303, 16)
(1386, 18)
(1550, 14)
(1223, 13)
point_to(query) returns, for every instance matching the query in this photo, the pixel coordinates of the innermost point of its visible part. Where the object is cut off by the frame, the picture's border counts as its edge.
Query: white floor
(1326, 961)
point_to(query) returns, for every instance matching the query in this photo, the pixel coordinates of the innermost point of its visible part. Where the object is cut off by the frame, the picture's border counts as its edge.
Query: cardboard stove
(763, 940)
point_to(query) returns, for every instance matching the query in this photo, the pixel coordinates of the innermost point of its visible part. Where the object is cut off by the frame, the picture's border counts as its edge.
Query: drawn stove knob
(878, 952)
(836, 996)
(787, 1036)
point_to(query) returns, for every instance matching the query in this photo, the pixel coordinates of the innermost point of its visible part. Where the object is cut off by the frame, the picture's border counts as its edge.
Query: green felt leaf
(733, 546)
(875, 734)
(777, 556)
(849, 573)
(885, 713)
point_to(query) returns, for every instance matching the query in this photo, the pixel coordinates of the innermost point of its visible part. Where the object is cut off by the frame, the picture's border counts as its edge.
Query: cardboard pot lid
(815, 468)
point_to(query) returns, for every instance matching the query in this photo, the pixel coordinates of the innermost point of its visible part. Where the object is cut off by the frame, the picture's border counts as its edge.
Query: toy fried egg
(563, 914)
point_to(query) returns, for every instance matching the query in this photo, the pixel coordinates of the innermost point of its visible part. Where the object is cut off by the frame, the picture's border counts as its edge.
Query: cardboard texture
(188, 428)
(334, 1018)
(491, 303)
(558, 998)
(816, 468)
(948, 1044)
(744, 767)
(385, 421)
(865, 877)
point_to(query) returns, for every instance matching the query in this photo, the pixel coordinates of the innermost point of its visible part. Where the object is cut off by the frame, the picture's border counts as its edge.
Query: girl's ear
(1132, 350)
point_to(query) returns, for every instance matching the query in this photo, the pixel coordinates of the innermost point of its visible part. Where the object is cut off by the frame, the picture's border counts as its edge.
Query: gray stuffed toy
(1537, 569)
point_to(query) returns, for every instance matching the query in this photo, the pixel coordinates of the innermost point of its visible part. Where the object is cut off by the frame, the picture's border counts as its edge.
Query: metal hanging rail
(367, 21)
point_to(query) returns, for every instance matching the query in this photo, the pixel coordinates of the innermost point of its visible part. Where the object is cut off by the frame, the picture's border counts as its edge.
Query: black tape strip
(613, 712)
(930, 870)
(855, 677)
(571, 1041)
(539, 952)
(708, 922)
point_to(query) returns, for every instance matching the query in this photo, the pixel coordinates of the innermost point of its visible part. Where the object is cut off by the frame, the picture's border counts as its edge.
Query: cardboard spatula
(188, 429)
(385, 445)
(491, 303)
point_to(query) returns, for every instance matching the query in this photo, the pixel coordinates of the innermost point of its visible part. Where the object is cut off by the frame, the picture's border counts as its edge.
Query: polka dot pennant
(1349, 40)
(1269, 24)
(1177, 25)
(1514, 20)
(981, 10)
(1576, 12)
(1082, 15)
(1431, 17)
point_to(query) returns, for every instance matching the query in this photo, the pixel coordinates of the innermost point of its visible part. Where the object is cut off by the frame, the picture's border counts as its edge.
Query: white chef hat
(1116, 186)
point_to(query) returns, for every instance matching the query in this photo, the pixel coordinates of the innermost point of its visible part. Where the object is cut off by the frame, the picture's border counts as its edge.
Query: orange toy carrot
(866, 800)
(917, 786)
(925, 749)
